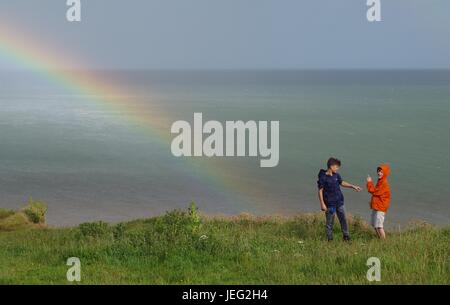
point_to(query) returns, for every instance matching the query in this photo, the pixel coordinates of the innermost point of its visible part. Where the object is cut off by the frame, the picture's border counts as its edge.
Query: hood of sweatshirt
(386, 170)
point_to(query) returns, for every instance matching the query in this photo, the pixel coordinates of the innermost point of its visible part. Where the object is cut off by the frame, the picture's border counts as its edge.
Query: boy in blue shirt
(331, 197)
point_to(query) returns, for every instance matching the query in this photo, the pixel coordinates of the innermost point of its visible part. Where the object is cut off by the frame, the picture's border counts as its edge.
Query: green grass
(182, 247)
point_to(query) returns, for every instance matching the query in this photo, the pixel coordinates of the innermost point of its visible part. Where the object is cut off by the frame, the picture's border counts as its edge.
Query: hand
(323, 207)
(369, 179)
(357, 188)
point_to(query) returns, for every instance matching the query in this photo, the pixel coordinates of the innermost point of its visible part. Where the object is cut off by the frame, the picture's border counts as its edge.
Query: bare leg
(381, 233)
(378, 234)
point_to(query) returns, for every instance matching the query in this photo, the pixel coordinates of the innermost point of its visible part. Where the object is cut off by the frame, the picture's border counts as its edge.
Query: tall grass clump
(35, 211)
(30, 216)
(4, 213)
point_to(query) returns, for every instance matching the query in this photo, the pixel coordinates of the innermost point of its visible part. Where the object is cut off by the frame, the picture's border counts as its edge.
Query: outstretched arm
(351, 186)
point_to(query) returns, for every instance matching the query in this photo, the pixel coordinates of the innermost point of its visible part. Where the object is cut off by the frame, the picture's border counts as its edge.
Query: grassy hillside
(182, 247)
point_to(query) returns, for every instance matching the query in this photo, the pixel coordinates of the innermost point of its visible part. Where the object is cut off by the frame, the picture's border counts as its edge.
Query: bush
(35, 211)
(94, 229)
(119, 231)
(195, 220)
(179, 223)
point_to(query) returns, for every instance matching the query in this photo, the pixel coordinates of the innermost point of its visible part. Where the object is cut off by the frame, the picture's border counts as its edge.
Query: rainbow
(22, 51)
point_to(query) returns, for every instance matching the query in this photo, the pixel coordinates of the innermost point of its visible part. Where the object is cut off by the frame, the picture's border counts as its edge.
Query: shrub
(119, 231)
(178, 223)
(35, 211)
(195, 219)
(94, 229)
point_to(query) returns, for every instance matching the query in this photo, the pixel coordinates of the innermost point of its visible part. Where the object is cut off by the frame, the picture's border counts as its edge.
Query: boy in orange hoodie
(381, 197)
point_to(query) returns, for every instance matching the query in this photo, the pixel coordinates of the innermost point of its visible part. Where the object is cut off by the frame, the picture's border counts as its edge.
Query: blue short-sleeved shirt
(331, 185)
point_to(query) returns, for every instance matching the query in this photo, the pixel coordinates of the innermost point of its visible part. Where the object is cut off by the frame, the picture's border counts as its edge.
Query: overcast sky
(238, 34)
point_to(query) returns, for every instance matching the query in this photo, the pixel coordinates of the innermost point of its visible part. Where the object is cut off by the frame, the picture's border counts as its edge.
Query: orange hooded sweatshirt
(381, 193)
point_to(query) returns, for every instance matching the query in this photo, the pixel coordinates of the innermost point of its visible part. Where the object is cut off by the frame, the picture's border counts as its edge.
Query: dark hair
(333, 161)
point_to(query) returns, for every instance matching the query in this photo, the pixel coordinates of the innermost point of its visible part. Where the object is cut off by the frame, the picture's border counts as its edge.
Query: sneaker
(347, 238)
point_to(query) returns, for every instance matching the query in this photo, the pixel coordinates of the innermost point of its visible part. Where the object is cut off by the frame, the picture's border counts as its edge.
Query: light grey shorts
(377, 219)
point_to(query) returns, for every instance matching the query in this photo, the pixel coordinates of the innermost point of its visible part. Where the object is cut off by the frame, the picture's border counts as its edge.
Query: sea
(89, 160)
